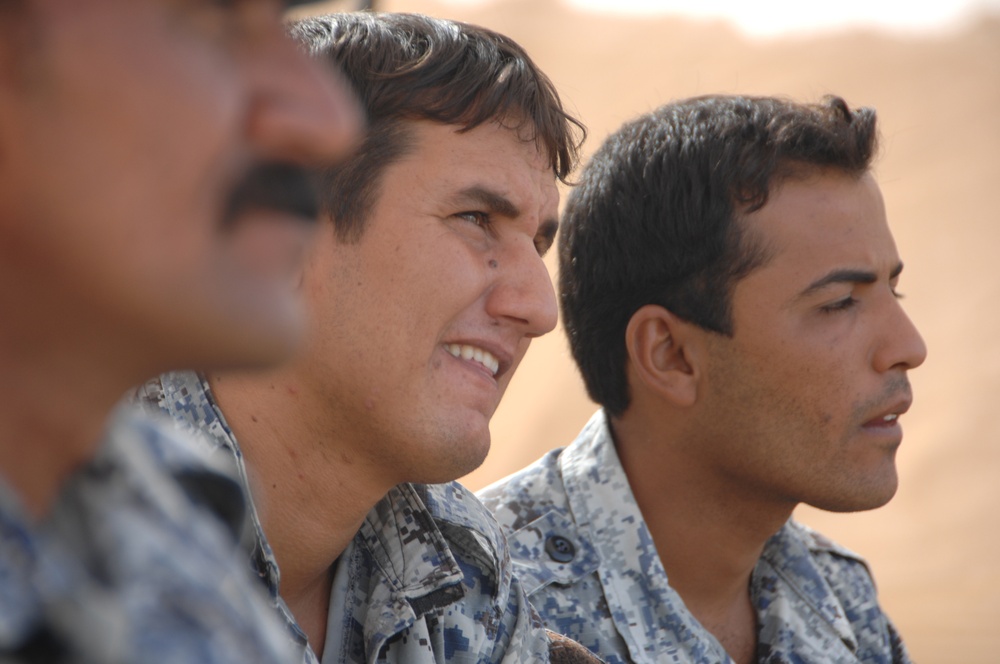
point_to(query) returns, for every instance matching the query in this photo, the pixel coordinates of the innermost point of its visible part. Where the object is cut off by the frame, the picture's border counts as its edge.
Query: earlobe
(657, 347)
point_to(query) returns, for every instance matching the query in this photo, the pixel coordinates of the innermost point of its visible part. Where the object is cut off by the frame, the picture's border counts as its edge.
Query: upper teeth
(484, 357)
(890, 418)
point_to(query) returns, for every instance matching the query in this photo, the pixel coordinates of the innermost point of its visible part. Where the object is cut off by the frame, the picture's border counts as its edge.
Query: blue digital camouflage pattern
(126, 568)
(587, 560)
(426, 579)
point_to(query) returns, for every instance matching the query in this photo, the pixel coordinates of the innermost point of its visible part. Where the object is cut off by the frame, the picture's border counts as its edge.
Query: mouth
(474, 354)
(889, 418)
(885, 421)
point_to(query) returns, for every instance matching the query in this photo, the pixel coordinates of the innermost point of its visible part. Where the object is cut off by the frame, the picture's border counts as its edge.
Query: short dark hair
(413, 67)
(652, 218)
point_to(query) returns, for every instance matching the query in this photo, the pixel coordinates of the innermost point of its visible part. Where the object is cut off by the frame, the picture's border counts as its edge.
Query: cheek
(522, 348)
(824, 403)
(814, 391)
(786, 386)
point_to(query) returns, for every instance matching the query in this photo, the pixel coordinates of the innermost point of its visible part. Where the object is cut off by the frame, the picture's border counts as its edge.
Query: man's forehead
(488, 150)
(826, 223)
(834, 208)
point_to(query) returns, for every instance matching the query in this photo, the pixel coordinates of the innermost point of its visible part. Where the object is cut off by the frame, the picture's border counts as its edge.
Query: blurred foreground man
(425, 287)
(728, 282)
(152, 202)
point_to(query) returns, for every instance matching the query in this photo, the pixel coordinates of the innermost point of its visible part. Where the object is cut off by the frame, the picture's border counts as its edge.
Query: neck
(709, 536)
(56, 390)
(311, 498)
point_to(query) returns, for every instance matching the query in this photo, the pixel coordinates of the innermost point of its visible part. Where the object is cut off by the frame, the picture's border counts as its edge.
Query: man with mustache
(135, 237)
(729, 287)
(425, 287)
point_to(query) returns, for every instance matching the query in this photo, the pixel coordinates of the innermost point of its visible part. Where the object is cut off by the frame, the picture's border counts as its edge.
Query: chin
(248, 349)
(459, 456)
(261, 352)
(857, 498)
(267, 336)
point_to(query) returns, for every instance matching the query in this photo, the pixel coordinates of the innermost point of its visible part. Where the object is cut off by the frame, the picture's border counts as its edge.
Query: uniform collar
(793, 599)
(631, 573)
(187, 398)
(803, 603)
(415, 568)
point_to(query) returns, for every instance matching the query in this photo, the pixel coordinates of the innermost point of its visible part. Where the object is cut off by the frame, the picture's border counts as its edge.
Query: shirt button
(560, 549)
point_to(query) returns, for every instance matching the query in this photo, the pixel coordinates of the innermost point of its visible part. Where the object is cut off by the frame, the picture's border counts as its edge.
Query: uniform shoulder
(532, 507)
(851, 581)
(846, 571)
(528, 494)
(820, 545)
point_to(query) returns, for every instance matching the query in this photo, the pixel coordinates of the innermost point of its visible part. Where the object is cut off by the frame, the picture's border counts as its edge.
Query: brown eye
(480, 219)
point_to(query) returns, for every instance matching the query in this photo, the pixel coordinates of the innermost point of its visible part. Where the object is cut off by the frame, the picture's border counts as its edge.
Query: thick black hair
(653, 219)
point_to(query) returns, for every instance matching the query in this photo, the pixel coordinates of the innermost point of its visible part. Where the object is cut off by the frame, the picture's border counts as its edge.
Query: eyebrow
(497, 203)
(848, 276)
(494, 202)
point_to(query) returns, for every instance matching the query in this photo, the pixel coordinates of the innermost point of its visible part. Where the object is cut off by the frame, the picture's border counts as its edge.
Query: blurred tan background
(935, 549)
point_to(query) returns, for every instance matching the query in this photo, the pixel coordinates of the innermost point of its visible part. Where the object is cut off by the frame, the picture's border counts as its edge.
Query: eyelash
(850, 301)
(839, 305)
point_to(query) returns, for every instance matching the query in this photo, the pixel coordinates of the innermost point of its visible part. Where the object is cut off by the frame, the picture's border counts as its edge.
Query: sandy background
(934, 548)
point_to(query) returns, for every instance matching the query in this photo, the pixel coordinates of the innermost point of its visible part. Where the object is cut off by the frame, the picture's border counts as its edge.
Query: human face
(807, 393)
(126, 129)
(420, 325)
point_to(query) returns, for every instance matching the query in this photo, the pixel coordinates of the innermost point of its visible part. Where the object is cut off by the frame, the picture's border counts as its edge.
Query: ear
(664, 354)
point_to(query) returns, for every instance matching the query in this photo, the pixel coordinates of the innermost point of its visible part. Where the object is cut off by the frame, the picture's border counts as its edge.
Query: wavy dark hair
(653, 218)
(414, 67)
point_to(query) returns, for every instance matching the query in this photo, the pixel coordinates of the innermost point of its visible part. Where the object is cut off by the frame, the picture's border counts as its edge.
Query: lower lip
(271, 246)
(884, 429)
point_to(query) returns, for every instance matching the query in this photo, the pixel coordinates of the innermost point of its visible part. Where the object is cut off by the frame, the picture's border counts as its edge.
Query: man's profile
(153, 198)
(729, 287)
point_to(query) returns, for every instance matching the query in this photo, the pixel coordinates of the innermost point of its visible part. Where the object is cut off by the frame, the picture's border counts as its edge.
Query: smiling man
(153, 200)
(729, 287)
(425, 288)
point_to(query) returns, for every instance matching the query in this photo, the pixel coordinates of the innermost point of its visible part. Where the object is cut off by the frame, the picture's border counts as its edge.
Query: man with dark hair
(728, 282)
(153, 197)
(425, 288)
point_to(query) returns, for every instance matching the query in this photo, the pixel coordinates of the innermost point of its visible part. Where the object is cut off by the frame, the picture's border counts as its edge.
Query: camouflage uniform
(587, 560)
(426, 579)
(126, 568)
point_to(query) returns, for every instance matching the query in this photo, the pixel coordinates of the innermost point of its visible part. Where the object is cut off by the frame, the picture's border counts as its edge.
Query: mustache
(275, 186)
(896, 387)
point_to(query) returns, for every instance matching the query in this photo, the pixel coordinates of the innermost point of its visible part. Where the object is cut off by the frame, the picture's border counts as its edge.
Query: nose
(902, 346)
(523, 293)
(303, 109)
